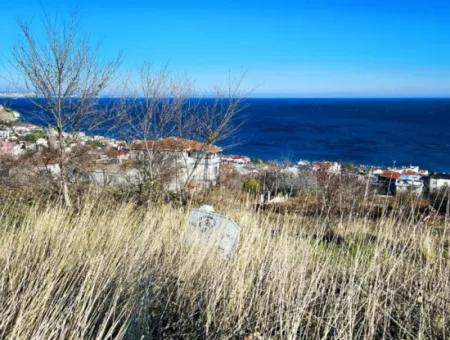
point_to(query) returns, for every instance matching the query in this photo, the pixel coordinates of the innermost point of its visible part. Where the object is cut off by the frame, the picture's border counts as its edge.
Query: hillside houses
(12, 148)
(187, 163)
(401, 180)
(106, 160)
(329, 168)
(235, 159)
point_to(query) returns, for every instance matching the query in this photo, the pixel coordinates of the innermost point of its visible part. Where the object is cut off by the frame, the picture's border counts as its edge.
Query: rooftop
(390, 174)
(175, 144)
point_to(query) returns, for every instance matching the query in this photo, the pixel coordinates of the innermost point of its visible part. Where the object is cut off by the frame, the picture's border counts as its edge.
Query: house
(189, 161)
(386, 182)
(304, 163)
(4, 133)
(24, 129)
(410, 170)
(12, 148)
(410, 183)
(439, 182)
(235, 159)
(329, 168)
(117, 155)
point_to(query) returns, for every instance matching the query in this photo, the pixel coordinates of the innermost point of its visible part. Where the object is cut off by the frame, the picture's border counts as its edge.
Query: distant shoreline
(359, 131)
(20, 95)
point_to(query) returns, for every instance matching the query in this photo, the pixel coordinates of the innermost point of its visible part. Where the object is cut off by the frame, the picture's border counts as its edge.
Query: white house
(235, 159)
(327, 167)
(12, 148)
(24, 129)
(410, 170)
(439, 182)
(4, 133)
(410, 183)
(192, 162)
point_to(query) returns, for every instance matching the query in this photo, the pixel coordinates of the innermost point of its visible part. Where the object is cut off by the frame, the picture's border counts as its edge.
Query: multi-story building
(185, 161)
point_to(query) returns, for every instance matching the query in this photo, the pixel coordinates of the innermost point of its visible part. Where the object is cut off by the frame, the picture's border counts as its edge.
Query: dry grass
(115, 271)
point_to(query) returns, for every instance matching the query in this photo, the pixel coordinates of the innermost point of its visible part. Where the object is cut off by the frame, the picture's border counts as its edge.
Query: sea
(382, 132)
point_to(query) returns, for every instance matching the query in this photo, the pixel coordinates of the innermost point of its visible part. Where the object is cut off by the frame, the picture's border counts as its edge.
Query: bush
(34, 136)
(252, 186)
(287, 182)
(95, 143)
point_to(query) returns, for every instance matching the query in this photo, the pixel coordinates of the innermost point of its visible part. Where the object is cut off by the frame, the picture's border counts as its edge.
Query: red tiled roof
(391, 174)
(176, 144)
(115, 153)
(410, 172)
(324, 164)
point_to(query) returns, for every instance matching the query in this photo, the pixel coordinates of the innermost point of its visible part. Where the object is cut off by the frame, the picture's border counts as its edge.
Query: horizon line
(24, 95)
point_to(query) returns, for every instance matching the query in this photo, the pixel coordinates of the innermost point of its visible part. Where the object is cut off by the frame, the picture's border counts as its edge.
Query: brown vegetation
(119, 271)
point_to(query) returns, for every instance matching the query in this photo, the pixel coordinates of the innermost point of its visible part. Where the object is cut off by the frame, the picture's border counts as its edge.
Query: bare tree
(154, 109)
(214, 121)
(163, 107)
(65, 75)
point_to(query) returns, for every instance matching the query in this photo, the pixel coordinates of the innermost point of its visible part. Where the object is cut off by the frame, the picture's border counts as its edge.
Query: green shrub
(251, 185)
(257, 161)
(34, 136)
(95, 143)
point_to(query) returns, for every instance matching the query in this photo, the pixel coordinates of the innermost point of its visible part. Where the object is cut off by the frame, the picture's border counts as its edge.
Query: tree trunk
(62, 169)
(66, 196)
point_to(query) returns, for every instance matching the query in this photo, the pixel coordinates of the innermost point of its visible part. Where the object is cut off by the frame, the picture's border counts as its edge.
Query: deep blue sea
(361, 131)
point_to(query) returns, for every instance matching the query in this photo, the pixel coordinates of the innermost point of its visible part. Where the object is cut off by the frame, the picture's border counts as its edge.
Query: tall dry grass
(116, 271)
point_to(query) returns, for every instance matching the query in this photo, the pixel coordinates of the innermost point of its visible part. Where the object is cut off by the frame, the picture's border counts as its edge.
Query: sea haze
(361, 131)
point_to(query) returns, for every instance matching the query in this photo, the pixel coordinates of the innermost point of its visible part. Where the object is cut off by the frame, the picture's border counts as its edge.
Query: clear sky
(289, 48)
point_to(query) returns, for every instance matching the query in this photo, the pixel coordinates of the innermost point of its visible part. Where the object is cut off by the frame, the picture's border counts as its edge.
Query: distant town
(108, 161)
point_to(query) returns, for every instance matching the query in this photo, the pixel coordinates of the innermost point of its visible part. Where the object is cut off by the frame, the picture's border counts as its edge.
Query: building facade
(187, 162)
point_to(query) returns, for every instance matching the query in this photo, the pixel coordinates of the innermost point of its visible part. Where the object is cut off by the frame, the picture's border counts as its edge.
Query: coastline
(375, 132)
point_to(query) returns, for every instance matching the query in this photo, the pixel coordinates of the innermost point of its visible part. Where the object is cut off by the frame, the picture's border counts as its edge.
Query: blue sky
(349, 48)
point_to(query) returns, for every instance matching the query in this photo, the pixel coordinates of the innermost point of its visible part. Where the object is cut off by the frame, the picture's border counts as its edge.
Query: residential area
(181, 163)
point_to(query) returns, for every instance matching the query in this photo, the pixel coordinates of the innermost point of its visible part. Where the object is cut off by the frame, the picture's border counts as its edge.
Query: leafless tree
(214, 120)
(66, 76)
(164, 106)
(153, 109)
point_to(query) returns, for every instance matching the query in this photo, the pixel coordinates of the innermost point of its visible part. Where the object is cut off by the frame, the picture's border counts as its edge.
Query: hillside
(115, 270)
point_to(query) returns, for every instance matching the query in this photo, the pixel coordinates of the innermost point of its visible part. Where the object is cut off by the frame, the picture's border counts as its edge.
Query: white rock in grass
(210, 229)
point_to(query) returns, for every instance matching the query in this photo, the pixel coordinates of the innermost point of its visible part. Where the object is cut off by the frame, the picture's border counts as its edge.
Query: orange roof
(176, 144)
(410, 172)
(324, 164)
(115, 153)
(391, 174)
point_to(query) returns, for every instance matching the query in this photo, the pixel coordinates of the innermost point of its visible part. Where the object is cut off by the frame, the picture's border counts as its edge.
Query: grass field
(114, 270)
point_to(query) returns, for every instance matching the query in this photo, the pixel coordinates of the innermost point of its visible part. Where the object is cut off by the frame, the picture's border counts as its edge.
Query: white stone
(212, 230)
(206, 208)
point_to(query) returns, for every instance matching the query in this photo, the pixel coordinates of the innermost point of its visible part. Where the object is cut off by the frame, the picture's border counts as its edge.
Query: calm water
(362, 131)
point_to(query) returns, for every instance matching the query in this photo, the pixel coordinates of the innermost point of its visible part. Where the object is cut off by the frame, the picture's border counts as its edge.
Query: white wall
(438, 183)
